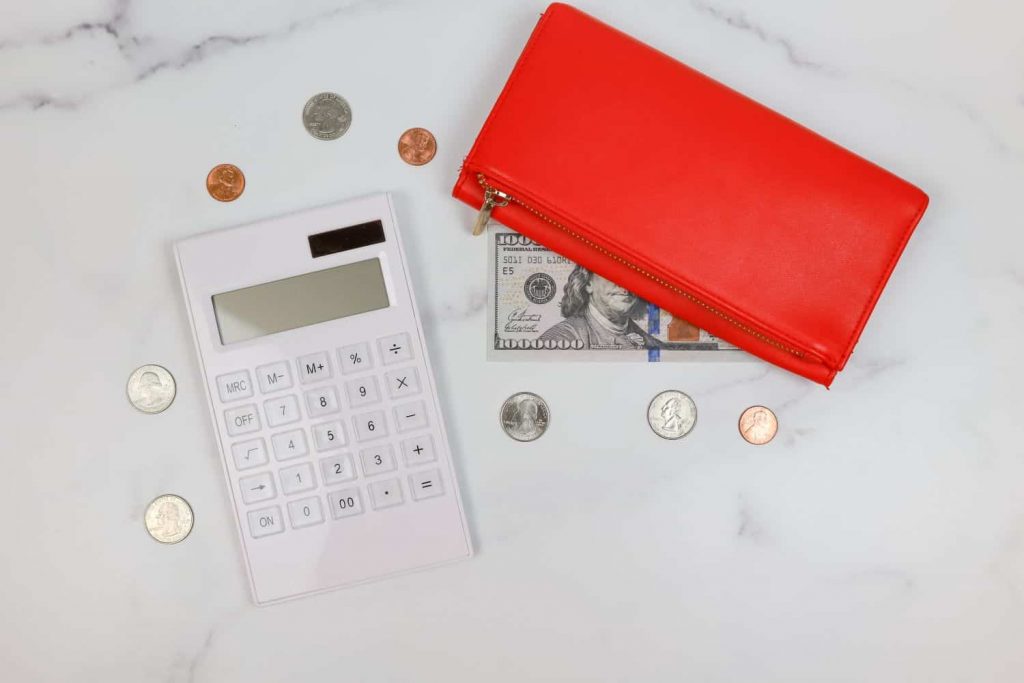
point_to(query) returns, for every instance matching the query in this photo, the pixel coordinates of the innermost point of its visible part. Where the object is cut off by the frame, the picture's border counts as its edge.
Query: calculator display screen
(298, 301)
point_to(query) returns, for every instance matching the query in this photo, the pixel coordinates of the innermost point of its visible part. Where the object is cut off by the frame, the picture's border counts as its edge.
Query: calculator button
(355, 358)
(274, 377)
(305, 512)
(418, 450)
(265, 522)
(242, 420)
(257, 488)
(395, 349)
(249, 454)
(282, 411)
(337, 468)
(363, 391)
(410, 416)
(297, 478)
(404, 382)
(384, 494)
(377, 460)
(370, 425)
(315, 367)
(288, 445)
(321, 402)
(328, 435)
(426, 484)
(345, 503)
(234, 386)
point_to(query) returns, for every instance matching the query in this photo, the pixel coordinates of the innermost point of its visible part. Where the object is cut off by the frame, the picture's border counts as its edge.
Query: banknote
(545, 307)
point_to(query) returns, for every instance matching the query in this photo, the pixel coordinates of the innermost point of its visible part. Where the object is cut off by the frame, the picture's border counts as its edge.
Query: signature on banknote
(544, 306)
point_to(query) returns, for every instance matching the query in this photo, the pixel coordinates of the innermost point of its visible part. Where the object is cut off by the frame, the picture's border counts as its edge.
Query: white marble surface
(879, 538)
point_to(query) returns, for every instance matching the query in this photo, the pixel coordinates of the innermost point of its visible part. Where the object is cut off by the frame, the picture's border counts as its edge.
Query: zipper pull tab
(492, 198)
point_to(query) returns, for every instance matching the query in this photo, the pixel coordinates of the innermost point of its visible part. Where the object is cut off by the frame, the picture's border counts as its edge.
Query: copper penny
(758, 425)
(417, 146)
(225, 182)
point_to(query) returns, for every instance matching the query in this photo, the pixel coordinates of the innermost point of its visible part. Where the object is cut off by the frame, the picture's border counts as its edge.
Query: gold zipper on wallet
(493, 197)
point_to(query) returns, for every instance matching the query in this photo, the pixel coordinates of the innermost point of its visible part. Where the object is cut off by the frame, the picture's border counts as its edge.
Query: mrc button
(234, 386)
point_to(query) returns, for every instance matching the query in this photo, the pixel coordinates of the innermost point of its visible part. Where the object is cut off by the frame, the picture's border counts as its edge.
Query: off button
(242, 420)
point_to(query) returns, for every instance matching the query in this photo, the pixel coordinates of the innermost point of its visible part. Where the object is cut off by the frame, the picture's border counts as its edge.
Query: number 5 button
(328, 435)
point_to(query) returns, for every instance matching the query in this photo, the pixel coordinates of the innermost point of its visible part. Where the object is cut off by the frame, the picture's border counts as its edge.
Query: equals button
(426, 484)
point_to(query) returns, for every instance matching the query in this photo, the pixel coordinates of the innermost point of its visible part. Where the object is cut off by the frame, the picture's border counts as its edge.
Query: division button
(395, 349)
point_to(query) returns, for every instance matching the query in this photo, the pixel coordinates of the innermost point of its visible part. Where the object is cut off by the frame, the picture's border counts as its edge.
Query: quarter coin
(169, 518)
(225, 182)
(672, 414)
(151, 389)
(525, 416)
(417, 146)
(326, 116)
(758, 425)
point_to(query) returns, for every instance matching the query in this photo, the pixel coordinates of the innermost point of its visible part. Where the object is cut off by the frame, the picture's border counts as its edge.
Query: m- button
(242, 420)
(234, 386)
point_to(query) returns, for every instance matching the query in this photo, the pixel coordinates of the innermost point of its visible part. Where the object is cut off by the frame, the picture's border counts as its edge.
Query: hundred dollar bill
(545, 307)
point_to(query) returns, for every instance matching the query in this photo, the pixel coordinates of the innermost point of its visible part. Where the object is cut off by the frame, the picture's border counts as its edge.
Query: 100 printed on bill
(545, 307)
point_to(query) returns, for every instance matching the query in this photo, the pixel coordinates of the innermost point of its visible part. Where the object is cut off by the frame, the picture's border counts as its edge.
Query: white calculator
(321, 392)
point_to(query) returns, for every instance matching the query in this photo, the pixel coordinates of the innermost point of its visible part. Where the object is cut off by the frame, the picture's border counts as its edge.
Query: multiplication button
(234, 386)
(403, 382)
(242, 420)
(265, 522)
(315, 367)
(395, 349)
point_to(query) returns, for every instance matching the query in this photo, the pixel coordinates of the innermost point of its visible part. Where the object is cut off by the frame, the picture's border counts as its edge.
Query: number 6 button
(328, 435)
(370, 425)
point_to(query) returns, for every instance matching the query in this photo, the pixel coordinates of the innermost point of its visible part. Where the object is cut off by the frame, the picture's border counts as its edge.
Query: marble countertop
(880, 537)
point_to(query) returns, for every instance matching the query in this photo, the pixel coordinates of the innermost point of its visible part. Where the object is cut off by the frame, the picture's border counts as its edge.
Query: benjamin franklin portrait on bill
(600, 314)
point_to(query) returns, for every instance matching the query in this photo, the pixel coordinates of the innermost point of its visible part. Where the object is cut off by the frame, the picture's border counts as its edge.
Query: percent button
(355, 358)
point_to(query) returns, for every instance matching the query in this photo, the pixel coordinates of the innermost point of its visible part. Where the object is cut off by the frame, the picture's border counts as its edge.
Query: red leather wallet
(689, 194)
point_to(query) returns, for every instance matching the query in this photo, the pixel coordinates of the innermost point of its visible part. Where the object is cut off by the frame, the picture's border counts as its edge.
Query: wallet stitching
(666, 283)
(875, 293)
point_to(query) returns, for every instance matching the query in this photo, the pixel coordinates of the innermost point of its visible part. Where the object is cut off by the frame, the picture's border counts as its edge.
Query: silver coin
(672, 414)
(151, 389)
(169, 518)
(525, 416)
(326, 116)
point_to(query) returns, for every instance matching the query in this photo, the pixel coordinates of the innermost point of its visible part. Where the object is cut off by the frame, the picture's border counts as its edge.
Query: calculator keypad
(366, 397)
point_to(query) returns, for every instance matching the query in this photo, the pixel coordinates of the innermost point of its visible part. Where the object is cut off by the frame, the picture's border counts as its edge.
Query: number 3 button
(370, 425)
